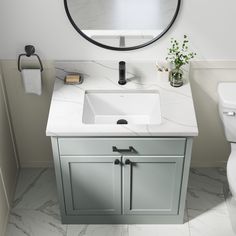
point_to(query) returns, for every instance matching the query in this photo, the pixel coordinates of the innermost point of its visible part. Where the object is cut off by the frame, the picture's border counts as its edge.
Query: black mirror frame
(125, 48)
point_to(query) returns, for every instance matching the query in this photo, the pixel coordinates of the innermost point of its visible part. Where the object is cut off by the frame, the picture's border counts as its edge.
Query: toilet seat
(231, 172)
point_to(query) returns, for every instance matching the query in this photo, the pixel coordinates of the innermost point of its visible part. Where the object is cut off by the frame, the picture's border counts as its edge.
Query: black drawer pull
(117, 162)
(130, 149)
(127, 162)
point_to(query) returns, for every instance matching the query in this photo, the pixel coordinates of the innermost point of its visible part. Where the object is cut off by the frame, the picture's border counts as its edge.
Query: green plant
(178, 54)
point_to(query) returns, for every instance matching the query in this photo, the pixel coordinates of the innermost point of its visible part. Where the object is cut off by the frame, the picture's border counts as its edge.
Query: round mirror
(122, 24)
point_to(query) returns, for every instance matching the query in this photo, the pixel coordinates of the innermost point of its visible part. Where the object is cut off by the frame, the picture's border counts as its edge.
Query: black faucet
(122, 79)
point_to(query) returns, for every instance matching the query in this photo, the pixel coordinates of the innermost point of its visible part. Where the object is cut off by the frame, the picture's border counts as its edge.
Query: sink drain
(122, 122)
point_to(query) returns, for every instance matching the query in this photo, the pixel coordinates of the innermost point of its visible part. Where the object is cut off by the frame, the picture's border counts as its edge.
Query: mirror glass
(122, 24)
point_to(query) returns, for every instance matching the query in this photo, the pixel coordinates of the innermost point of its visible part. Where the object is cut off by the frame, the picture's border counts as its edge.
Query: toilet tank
(227, 108)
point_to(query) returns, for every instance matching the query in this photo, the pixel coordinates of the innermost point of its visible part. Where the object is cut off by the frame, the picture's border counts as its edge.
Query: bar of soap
(72, 79)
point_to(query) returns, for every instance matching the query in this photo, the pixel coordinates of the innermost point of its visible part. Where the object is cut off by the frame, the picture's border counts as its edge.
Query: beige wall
(210, 147)
(8, 163)
(4, 207)
(29, 113)
(208, 23)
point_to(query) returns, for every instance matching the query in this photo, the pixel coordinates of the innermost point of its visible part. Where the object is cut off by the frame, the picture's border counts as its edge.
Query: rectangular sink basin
(122, 107)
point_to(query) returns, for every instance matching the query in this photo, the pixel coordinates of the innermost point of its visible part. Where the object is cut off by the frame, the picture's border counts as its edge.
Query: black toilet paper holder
(29, 51)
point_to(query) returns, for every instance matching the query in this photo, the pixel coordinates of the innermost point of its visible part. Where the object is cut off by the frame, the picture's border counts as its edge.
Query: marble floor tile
(214, 222)
(25, 178)
(130, 230)
(204, 199)
(231, 207)
(36, 187)
(210, 178)
(97, 230)
(159, 230)
(36, 211)
(34, 223)
(205, 189)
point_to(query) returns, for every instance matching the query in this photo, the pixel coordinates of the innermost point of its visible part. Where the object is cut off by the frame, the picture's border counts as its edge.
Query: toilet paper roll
(72, 79)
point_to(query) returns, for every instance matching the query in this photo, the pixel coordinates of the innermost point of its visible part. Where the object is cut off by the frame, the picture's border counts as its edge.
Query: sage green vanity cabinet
(122, 180)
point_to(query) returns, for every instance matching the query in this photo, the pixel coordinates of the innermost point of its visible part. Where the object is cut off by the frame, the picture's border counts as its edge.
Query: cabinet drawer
(117, 146)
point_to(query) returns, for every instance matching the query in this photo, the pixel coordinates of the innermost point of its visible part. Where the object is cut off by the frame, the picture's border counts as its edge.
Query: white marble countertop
(65, 115)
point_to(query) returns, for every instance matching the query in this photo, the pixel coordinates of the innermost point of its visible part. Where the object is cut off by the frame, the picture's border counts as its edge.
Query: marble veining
(205, 189)
(206, 206)
(206, 212)
(33, 193)
(19, 198)
(65, 115)
(34, 223)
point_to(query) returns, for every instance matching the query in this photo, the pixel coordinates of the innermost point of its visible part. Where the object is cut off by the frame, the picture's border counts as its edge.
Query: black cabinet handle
(130, 149)
(127, 162)
(117, 162)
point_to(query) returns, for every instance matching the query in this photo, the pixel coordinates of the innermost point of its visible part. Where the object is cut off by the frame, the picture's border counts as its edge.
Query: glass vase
(176, 77)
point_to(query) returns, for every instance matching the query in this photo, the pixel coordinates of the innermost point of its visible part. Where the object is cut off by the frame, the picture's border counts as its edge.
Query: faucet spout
(122, 79)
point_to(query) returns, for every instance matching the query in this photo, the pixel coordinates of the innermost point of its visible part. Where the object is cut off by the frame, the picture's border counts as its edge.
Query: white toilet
(227, 110)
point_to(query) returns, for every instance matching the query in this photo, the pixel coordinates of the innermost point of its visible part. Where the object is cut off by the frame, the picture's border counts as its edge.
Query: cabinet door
(92, 185)
(152, 184)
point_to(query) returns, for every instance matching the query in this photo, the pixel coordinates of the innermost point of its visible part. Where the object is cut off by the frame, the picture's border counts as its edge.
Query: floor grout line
(189, 230)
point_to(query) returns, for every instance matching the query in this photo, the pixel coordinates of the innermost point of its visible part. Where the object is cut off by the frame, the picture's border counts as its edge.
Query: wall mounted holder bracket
(29, 51)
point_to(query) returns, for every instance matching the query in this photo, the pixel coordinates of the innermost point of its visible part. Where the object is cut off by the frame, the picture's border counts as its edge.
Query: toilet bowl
(227, 110)
(231, 169)
(231, 195)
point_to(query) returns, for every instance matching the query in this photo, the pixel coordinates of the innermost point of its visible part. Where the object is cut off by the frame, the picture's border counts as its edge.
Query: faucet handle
(122, 64)
(122, 79)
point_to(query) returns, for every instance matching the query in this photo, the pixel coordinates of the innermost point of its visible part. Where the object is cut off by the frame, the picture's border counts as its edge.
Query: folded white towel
(32, 81)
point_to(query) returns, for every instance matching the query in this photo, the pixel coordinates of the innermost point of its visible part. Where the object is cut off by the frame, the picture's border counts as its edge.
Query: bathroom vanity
(120, 173)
